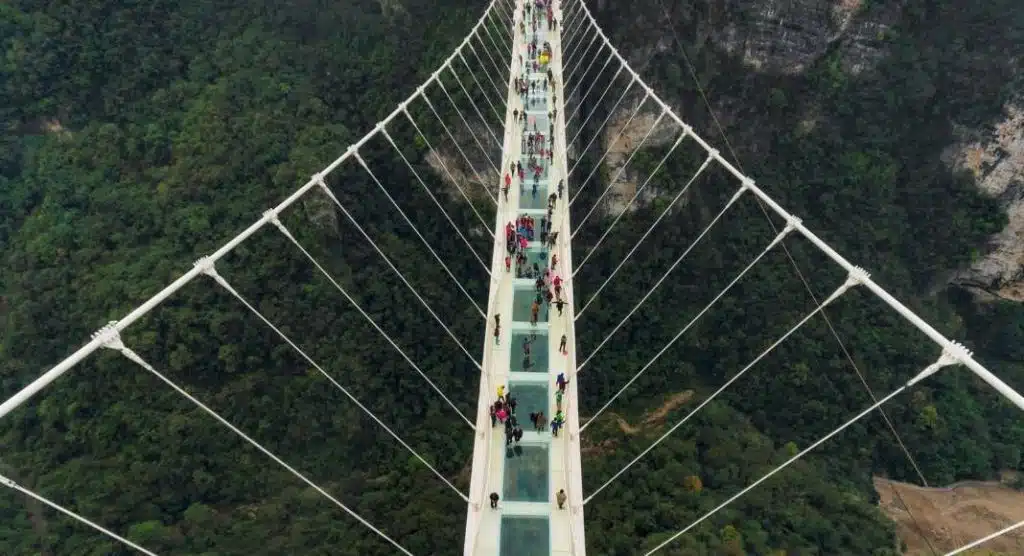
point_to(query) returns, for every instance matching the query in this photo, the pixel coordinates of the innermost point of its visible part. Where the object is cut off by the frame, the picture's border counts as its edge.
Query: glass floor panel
(537, 361)
(522, 300)
(538, 103)
(534, 255)
(533, 196)
(545, 167)
(526, 473)
(525, 536)
(530, 398)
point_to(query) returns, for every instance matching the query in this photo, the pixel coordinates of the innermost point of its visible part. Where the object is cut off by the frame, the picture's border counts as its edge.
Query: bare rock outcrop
(996, 159)
(788, 36)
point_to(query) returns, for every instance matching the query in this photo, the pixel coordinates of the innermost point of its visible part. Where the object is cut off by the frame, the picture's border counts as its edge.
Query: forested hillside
(140, 135)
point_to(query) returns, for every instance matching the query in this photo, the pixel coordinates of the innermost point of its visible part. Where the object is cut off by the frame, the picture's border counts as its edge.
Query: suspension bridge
(538, 72)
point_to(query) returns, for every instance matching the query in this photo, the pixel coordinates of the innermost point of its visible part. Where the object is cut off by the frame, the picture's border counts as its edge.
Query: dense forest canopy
(139, 135)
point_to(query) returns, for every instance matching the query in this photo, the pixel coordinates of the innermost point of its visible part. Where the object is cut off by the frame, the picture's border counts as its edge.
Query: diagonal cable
(483, 46)
(116, 344)
(850, 282)
(284, 230)
(483, 90)
(40, 498)
(799, 273)
(636, 195)
(618, 174)
(778, 239)
(487, 74)
(577, 39)
(578, 63)
(583, 125)
(986, 538)
(426, 243)
(641, 240)
(210, 270)
(611, 145)
(366, 236)
(436, 202)
(605, 123)
(451, 177)
(583, 76)
(593, 81)
(679, 259)
(483, 183)
(472, 133)
(944, 361)
(472, 103)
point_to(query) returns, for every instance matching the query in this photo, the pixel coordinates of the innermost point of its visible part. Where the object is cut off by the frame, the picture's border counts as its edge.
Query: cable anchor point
(792, 223)
(109, 336)
(857, 276)
(206, 266)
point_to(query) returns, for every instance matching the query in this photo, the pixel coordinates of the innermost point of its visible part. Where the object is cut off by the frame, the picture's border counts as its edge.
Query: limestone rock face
(996, 159)
(787, 36)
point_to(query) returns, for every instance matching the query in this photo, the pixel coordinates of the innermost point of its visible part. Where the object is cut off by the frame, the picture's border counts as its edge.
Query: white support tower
(528, 475)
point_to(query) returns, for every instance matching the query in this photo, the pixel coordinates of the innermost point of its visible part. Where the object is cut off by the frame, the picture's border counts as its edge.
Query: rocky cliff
(995, 157)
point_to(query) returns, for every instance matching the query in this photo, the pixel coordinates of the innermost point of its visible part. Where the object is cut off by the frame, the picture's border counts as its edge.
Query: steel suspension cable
(440, 160)
(636, 195)
(485, 184)
(578, 62)
(650, 229)
(490, 36)
(581, 77)
(618, 175)
(605, 123)
(778, 239)
(82, 352)
(487, 52)
(607, 88)
(436, 202)
(496, 89)
(210, 270)
(803, 279)
(944, 361)
(607, 151)
(380, 252)
(576, 40)
(426, 244)
(77, 517)
(287, 233)
(850, 282)
(487, 155)
(116, 344)
(472, 103)
(483, 90)
(986, 538)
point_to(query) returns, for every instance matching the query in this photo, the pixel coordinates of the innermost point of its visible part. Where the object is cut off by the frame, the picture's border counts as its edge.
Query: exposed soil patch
(953, 516)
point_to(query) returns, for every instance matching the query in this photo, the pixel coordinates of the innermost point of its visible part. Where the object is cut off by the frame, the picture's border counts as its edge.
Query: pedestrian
(560, 498)
(541, 422)
(497, 335)
(560, 304)
(494, 499)
(518, 434)
(554, 264)
(508, 263)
